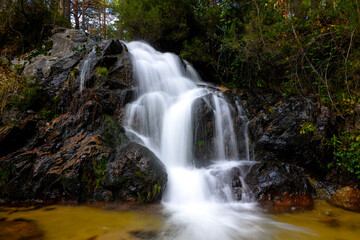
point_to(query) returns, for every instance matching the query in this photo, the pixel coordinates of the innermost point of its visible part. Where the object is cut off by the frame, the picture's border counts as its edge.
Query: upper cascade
(164, 115)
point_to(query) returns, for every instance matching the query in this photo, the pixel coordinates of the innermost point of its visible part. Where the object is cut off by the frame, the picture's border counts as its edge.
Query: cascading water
(199, 202)
(85, 69)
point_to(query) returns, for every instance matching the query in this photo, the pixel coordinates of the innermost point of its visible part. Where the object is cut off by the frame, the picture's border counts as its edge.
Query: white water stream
(199, 202)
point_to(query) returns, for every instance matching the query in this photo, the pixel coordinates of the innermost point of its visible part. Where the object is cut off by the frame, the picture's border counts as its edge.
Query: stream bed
(99, 221)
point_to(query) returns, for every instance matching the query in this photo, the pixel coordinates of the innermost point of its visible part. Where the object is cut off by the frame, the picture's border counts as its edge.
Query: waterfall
(199, 202)
(85, 69)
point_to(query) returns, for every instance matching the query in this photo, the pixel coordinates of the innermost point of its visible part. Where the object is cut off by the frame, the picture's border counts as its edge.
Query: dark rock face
(203, 129)
(136, 175)
(280, 184)
(276, 134)
(84, 153)
(14, 137)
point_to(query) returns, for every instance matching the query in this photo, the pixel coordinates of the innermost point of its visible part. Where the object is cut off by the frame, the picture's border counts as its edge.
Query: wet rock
(113, 56)
(69, 157)
(348, 198)
(323, 190)
(280, 184)
(204, 131)
(275, 132)
(205, 136)
(136, 175)
(65, 160)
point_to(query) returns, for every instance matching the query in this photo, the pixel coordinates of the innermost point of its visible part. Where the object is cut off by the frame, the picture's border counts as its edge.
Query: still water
(119, 221)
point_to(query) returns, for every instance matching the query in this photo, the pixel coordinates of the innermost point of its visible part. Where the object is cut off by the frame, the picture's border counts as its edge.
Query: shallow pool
(122, 221)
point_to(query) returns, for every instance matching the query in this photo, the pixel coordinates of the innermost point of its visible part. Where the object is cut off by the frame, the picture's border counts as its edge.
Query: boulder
(204, 131)
(348, 198)
(280, 184)
(276, 134)
(136, 175)
(81, 155)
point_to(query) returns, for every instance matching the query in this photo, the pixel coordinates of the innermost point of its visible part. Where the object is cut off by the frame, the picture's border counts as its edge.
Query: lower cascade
(201, 137)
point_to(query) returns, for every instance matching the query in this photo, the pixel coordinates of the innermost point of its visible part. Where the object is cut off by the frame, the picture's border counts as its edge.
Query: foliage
(16, 92)
(10, 84)
(308, 127)
(31, 96)
(347, 151)
(25, 23)
(163, 23)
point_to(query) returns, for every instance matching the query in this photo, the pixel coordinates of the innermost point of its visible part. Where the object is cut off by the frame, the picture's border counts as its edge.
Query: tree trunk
(76, 14)
(64, 8)
(104, 19)
(83, 15)
(100, 21)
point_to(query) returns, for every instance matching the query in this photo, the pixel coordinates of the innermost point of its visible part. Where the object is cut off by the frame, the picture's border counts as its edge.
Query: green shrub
(30, 96)
(347, 151)
(308, 127)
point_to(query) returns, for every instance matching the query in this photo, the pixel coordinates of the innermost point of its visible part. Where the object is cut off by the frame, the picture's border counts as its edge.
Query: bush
(347, 151)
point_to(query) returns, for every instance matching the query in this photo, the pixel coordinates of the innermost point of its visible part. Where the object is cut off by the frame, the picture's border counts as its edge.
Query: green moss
(148, 197)
(139, 174)
(5, 173)
(99, 169)
(98, 51)
(113, 134)
(79, 48)
(140, 198)
(48, 115)
(122, 180)
(30, 97)
(156, 190)
(102, 71)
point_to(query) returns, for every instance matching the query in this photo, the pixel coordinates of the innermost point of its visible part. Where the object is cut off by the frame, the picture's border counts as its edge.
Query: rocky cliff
(82, 152)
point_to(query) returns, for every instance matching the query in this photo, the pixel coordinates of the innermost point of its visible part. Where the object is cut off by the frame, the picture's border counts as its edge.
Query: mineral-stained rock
(280, 184)
(71, 156)
(348, 198)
